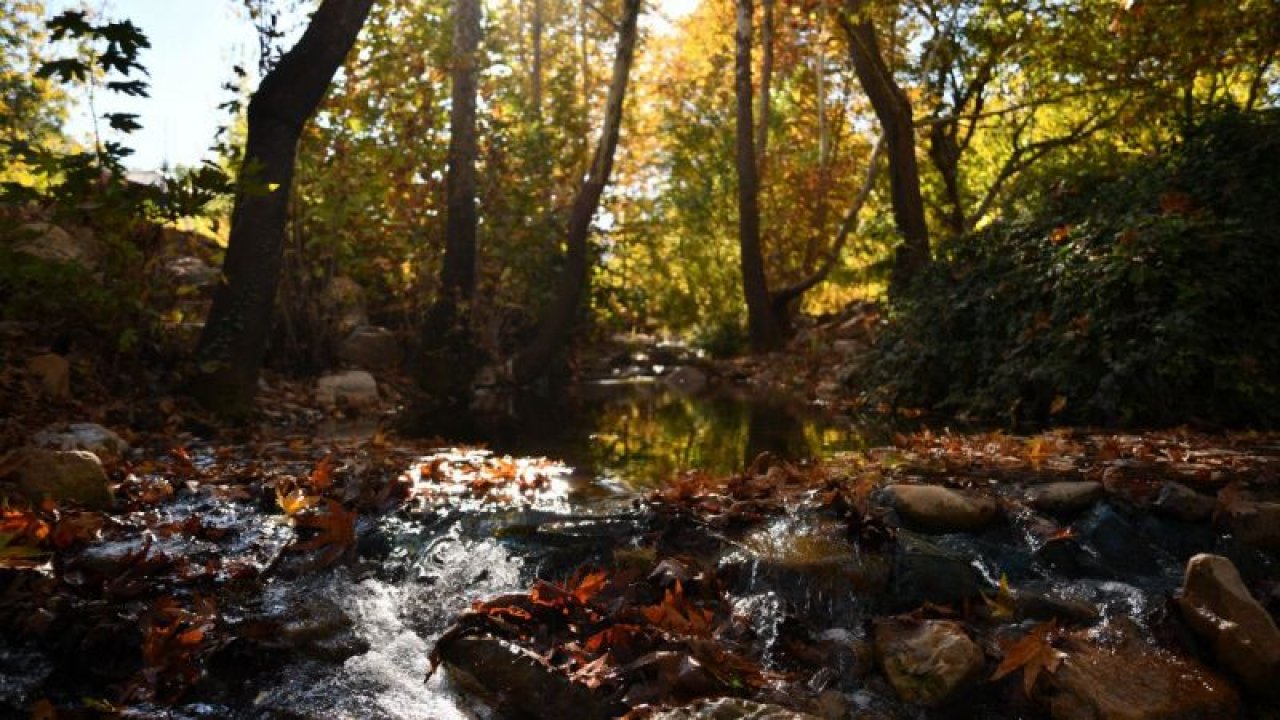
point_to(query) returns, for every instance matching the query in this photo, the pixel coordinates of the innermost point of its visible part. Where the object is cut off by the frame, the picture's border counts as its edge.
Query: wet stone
(924, 572)
(1254, 523)
(939, 509)
(519, 683)
(350, 390)
(1242, 635)
(927, 661)
(1134, 682)
(1182, 503)
(1119, 546)
(1064, 497)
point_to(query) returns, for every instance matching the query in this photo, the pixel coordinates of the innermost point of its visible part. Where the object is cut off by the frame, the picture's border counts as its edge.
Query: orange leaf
(321, 476)
(590, 585)
(1033, 653)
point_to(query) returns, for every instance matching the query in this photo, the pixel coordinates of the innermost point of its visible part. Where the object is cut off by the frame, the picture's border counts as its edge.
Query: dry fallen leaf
(1033, 653)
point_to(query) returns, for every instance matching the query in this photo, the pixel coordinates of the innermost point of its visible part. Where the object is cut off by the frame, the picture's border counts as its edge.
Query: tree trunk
(893, 109)
(234, 340)
(458, 275)
(553, 331)
(766, 82)
(763, 329)
(448, 357)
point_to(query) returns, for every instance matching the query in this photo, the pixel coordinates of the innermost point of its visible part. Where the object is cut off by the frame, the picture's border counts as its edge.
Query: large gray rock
(50, 242)
(1219, 608)
(191, 271)
(927, 661)
(74, 476)
(91, 437)
(370, 347)
(940, 509)
(1064, 497)
(350, 390)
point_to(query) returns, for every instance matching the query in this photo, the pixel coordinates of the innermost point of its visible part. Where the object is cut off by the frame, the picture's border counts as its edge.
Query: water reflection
(640, 433)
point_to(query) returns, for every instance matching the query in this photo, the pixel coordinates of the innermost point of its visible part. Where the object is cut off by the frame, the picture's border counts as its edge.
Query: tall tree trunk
(763, 329)
(458, 275)
(766, 82)
(234, 340)
(893, 109)
(447, 357)
(553, 331)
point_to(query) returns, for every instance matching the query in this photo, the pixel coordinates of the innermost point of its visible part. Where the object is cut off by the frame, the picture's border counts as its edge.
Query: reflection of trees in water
(648, 437)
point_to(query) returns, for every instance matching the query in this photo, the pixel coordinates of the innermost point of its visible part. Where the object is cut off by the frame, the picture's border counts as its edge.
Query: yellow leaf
(1059, 403)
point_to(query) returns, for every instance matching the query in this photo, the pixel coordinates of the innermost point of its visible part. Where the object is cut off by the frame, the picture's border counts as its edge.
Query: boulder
(940, 509)
(1218, 607)
(1251, 522)
(91, 437)
(370, 347)
(50, 374)
(1182, 503)
(350, 390)
(686, 379)
(50, 242)
(1134, 681)
(1116, 544)
(926, 661)
(924, 572)
(1064, 497)
(518, 682)
(74, 476)
(191, 271)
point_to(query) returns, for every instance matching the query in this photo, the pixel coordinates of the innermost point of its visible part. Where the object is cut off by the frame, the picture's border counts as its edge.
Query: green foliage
(1148, 297)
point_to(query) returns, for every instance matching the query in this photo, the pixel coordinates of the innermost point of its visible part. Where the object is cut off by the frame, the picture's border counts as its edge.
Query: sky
(194, 44)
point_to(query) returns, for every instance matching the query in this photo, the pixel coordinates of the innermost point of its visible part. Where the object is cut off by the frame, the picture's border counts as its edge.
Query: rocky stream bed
(1066, 575)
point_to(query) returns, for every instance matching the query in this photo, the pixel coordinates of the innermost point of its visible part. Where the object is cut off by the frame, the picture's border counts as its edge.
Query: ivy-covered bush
(1146, 298)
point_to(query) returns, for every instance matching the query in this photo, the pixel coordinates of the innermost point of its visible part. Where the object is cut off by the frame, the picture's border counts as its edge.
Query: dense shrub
(1145, 298)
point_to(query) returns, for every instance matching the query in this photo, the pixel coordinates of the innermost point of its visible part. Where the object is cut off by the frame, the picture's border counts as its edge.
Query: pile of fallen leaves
(660, 632)
(448, 476)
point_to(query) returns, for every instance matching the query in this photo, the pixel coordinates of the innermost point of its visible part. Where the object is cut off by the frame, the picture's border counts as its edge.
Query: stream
(353, 641)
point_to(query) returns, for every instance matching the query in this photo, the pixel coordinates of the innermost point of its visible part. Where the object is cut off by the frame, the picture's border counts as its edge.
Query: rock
(370, 347)
(1131, 481)
(924, 572)
(349, 390)
(519, 682)
(940, 509)
(74, 476)
(50, 242)
(926, 661)
(1064, 497)
(726, 708)
(92, 437)
(1182, 503)
(1028, 604)
(1219, 608)
(1252, 523)
(1117, 545)
(51, 375)
(1134, 682)
(686, 379)
(191, 271)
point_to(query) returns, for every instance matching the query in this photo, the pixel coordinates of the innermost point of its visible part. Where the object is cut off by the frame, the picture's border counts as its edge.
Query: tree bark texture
(893, 109)
(234, 340)
(458, 274)
(557, 321)
(763, 329)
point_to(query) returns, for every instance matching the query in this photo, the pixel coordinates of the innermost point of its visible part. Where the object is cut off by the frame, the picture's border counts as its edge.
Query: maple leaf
(589, 586)
(676, 614)
(1033, 653)
(337, 531)
(294, 502)
(322, 474)
(1002, 606)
